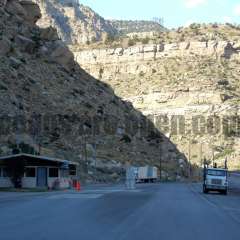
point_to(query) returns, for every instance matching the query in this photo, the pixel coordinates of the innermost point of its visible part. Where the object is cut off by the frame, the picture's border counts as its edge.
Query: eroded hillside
(197, 75)
(62, 111)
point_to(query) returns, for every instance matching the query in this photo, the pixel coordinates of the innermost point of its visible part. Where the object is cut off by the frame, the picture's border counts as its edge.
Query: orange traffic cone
(78, 187)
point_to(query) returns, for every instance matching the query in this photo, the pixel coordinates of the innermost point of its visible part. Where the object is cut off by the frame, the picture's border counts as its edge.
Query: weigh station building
(34, 171)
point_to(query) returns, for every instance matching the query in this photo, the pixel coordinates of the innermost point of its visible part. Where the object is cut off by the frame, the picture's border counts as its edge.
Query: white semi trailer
(146, 174)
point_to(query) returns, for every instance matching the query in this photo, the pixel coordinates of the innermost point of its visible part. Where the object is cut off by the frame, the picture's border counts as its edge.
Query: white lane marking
(102, 191)
(91, 194)
(231, 209)
(76, 196)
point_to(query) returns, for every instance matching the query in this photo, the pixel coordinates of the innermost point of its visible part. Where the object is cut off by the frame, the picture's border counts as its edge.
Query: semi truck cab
(215, 179)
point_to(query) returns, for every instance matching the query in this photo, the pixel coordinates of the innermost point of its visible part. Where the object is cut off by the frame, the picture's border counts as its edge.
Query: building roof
(38, 157)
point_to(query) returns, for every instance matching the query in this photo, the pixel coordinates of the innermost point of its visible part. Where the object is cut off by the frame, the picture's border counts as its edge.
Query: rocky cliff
(125, 27)
(75, 23)
(49, 105)
(192, 82)
(78, 24)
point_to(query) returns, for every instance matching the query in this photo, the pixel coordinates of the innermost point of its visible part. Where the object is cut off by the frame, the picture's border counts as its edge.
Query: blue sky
(175, 12)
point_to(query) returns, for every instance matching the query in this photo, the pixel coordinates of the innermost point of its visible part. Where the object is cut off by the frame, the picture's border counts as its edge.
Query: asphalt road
(160, 211)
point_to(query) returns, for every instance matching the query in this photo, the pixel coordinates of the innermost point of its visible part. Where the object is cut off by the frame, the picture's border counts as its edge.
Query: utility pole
(85, 153)
(201, 159)
(95, 159)
(213, 156)
(85, 127)
(201, 150)
(160, 161)
(39, 147)
(226, 161)
(189, 158)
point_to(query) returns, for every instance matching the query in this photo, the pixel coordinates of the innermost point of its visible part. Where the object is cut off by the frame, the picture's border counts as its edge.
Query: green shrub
(141, 74)
(109, 39)
(145, 40)
(131, 42)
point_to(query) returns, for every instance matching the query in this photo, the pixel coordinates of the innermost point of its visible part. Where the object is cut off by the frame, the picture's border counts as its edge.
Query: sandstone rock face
(75, 23)
(60, 53)
(154, 51)
(64, 111)
(186, 80)
(33, 11)
(49, 34)
(32, 40)
(142, 29)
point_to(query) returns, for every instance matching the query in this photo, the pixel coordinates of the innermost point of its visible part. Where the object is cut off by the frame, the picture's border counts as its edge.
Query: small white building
(33, 171)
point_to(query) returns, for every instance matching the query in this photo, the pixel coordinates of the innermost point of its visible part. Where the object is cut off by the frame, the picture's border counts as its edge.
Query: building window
(53, 172)
(5, 173)
(0, 172)
(72, 171)
(30, 172)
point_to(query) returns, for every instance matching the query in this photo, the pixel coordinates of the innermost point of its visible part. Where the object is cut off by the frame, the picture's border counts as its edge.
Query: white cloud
(236, 10)
(194, 3)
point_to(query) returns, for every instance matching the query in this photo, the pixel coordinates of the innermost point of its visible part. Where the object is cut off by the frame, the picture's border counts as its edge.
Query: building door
(42, 177)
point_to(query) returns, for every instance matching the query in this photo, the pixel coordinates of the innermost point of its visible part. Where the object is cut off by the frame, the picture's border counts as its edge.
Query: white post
(130, 178)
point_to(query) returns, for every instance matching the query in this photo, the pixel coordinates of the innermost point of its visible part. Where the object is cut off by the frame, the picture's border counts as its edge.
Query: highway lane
(156, 211)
